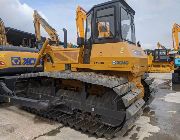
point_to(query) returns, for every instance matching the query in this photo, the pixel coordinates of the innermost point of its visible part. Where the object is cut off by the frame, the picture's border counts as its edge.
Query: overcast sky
(153, 19)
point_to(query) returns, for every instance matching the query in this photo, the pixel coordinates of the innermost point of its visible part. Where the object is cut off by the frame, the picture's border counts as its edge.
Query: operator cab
(161, 55)
(109, 22)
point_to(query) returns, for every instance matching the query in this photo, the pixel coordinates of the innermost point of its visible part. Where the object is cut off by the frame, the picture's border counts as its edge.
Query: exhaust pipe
(65, 37)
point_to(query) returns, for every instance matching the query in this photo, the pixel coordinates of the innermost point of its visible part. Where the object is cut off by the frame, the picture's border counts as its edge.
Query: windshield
(162, 52)
(127, 26)
(105, 23)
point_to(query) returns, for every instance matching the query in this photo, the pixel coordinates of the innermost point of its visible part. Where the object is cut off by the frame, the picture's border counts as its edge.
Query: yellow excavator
(101, 86)
(55, 41)
(39, 21)
(14, 60)
(159, 60)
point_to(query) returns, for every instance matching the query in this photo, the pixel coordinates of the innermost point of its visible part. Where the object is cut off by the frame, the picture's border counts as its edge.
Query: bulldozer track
(89, 127)
(126, 91)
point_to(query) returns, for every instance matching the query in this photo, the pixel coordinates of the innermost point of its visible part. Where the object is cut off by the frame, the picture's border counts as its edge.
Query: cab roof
(124, 3)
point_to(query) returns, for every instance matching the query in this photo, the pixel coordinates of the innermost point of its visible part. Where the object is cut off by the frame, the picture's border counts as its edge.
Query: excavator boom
(3, 38)
(160, 46)
(80, 19)
(175, 36)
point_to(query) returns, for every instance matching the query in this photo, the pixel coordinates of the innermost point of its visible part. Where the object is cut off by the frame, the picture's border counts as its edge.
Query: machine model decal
(29, 61)
(24, 61)
(120, 62)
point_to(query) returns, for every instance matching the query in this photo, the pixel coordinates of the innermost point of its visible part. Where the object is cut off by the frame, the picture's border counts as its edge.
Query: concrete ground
(160, 121)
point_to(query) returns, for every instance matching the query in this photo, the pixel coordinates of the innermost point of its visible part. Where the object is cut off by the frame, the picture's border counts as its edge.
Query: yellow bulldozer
(160, 60)
(101, 86)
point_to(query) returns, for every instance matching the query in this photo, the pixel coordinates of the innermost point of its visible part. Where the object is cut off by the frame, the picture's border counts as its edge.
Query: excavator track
(108, 115)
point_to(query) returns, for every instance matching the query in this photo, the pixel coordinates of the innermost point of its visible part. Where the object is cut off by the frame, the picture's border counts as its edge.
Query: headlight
(2, 63)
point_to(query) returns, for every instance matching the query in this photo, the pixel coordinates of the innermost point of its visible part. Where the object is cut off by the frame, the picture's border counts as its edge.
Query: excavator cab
(110, 22)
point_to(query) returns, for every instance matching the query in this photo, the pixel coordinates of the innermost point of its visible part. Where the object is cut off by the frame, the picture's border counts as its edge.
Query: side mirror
(80, 41)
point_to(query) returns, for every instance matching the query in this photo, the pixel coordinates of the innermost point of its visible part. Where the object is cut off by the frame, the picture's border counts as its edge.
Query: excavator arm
(3, 38)
(38, 20)
(175, 36)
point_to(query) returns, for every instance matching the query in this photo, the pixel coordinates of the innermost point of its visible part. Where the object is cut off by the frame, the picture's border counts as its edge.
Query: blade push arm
(40, 55)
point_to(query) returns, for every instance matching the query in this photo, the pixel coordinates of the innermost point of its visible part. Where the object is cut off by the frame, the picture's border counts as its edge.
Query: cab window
(105, 23)
(162, 52)
(127, 26)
